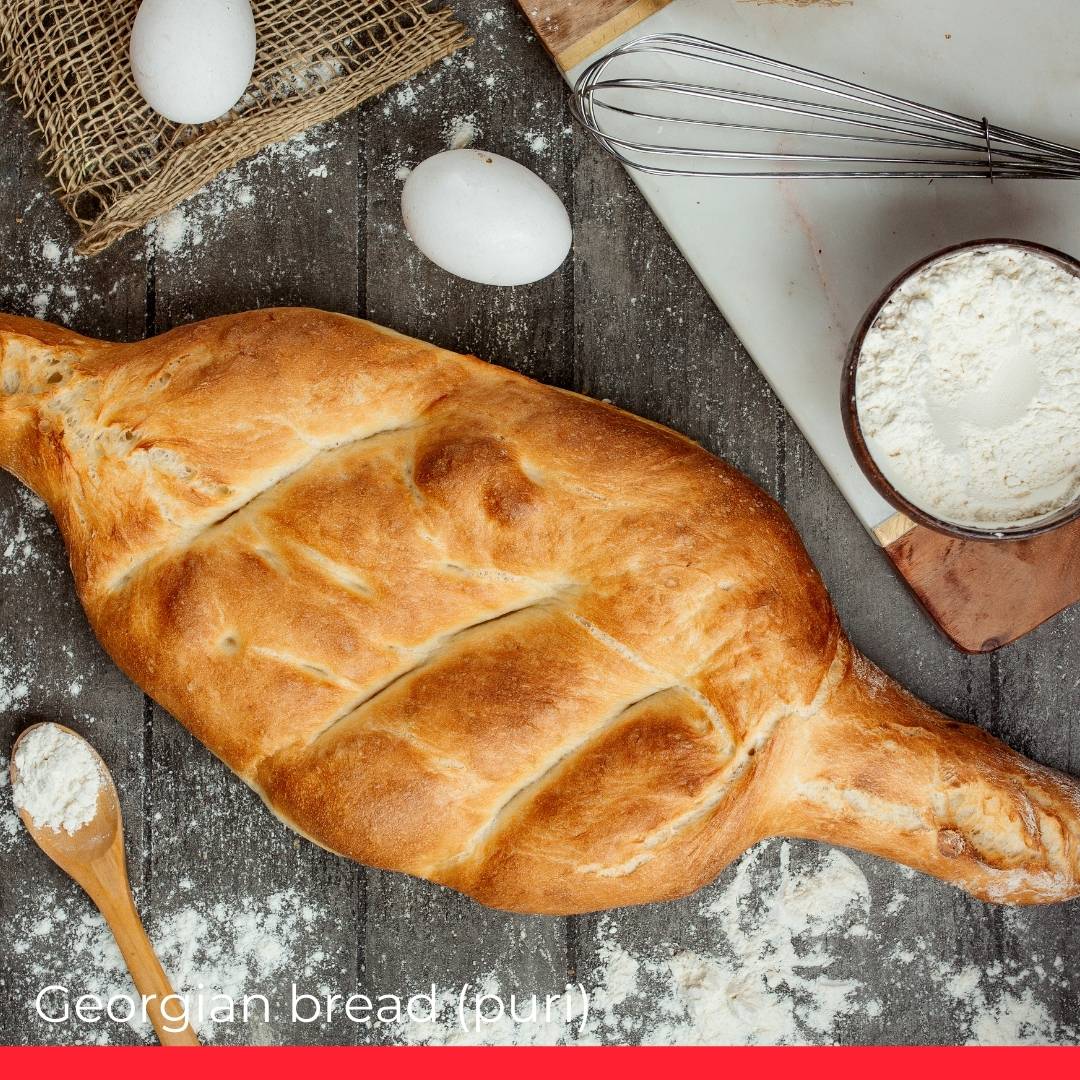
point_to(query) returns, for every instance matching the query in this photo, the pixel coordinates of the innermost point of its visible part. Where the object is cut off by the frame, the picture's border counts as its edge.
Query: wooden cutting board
(982, 595)
(574, 30)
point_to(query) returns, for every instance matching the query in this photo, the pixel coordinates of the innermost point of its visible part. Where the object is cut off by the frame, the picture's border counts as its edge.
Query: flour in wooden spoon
(57, 779)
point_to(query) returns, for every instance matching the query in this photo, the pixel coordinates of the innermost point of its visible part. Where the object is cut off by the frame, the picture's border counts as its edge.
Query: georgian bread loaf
(451, 622)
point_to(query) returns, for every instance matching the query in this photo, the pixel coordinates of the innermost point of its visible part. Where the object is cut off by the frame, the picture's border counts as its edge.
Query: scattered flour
(777, 959)
(41, 671)
(537, 142)
(175, 230)
(26, 517)
(13, 687)
(1011, 1018)
(1017, 1019)
(776, 970)
(461, 132)
(207, 949)
(405, 97)
(293, 161)
(483, 76)
(57, 779)
(9, 820)
(53, 289)
(764, 981)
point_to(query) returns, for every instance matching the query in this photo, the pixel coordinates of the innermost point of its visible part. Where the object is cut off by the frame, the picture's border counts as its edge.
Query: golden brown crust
(452, 622)
(883, 772)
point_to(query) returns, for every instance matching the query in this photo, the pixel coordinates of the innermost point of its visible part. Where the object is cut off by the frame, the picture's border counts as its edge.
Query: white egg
(192, 59)
(485, 218)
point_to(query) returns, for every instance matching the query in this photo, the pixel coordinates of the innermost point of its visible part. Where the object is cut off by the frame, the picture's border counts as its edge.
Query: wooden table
(625, 320)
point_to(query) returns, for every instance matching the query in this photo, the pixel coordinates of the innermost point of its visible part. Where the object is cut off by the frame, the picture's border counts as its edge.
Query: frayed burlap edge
(193, 165)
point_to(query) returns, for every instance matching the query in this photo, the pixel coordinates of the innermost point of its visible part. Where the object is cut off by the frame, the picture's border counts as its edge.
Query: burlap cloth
(119, 164)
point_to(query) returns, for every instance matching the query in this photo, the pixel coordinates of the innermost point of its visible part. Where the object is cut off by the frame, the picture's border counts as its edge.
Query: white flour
(54, 285)
(777, 954)
(537, 142)
(762, 978)
(57, 779)
(780, 962)
(207, 949)
(38, 667)
(482, 76)
(9, 821)
(461, 132)
(969, 388)
(178, 232)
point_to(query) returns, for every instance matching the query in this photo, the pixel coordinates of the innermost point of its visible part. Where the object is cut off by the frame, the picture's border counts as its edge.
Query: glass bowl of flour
(961, 392)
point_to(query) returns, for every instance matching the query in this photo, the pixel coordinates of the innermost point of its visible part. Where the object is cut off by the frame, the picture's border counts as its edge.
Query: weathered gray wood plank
(279, 230)
(317, 222)
(51, 667)
(1038, 686)
(418, 934)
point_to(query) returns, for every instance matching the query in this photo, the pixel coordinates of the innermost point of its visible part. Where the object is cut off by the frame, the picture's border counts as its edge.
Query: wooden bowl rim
(853, 429)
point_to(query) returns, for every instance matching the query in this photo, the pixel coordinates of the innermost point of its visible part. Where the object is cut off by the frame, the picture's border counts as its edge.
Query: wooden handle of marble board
(573, 30)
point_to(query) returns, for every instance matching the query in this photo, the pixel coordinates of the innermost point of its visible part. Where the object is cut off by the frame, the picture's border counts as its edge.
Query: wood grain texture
(417, 933)
(984, 595)
(891, 529)
(52, 666)
(625, 320)
(572, 30)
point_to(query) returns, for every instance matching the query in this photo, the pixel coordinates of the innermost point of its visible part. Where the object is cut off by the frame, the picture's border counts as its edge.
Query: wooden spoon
(94, 857)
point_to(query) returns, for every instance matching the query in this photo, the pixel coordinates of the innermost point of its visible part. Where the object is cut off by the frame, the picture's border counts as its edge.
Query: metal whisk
(677, 105)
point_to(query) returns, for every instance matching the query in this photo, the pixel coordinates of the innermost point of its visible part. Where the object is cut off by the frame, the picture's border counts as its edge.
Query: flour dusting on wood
(781, 961)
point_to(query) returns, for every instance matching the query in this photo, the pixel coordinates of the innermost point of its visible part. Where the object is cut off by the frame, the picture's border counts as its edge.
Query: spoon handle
(147, 974)
(109, 889)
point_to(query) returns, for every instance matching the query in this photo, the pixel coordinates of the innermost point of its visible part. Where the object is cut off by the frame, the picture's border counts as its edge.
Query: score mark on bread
(452, 622)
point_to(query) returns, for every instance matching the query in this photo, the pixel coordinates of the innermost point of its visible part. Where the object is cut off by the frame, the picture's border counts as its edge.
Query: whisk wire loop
(646, 119)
